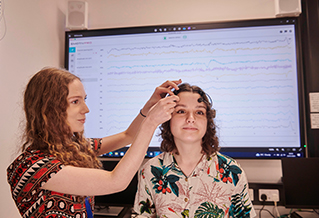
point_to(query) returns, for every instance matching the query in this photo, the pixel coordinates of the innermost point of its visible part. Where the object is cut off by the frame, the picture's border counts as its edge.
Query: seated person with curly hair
(191, 178)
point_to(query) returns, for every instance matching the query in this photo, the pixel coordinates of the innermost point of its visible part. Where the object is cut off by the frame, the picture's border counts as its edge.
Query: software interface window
(250, 72)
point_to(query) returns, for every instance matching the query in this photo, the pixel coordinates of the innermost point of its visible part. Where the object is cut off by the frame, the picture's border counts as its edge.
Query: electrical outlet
(272, 194)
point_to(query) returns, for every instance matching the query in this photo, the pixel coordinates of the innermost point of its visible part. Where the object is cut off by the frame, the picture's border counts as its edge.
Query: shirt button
(186, 179)
(186, 199)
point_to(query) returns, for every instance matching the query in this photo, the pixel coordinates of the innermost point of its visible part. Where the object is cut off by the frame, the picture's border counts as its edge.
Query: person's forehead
(76, 88)
(189, 97)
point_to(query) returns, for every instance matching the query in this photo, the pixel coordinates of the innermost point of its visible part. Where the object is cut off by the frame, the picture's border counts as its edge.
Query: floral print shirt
(217, 187)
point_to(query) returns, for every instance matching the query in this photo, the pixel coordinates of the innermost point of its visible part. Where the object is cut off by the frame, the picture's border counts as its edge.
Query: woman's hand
(162, 110)
(159, 93)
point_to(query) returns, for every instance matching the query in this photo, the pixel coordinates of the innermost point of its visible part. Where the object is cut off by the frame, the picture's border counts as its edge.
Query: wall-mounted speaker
(77, 15)
(288, 8)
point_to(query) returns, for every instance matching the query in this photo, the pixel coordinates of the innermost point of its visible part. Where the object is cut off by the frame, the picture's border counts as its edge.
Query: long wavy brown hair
(47, 129)
(210, 140)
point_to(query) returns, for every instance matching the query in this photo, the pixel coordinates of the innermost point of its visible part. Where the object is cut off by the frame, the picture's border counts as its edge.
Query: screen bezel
(240, 153)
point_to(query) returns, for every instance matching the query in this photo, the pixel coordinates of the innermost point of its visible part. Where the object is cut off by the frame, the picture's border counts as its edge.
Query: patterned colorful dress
(28, 173)
(217, 187)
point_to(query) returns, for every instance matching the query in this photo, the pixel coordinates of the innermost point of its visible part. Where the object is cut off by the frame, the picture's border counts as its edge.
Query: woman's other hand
(159, 93)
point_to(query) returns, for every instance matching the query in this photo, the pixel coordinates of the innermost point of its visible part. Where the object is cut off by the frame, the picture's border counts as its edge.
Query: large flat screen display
(250, 69)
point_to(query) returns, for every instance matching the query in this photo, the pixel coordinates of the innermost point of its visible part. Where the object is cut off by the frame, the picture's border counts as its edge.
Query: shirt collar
(168, 158)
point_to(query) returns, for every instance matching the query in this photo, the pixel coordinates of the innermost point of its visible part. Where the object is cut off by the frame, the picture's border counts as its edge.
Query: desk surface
(122, 212)
(305, 215)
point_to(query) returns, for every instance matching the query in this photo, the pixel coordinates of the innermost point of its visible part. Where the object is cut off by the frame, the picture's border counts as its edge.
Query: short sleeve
(29, 172)
(143, 204)
(241, 205)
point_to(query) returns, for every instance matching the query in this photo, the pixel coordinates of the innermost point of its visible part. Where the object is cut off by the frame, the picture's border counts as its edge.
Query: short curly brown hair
(210, 140)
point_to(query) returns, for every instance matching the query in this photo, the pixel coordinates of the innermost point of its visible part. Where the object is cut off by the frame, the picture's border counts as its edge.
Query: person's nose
(190, 118)
(85, 109)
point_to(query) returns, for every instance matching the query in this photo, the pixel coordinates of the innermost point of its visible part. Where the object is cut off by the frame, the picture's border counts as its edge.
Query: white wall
(35, 38)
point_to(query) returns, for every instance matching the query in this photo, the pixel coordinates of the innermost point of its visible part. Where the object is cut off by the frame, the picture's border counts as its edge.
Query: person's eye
(200, 112)
(75, 102)
(180, 111)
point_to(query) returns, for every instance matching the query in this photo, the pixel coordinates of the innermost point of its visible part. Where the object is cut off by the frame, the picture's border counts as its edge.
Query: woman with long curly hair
(58, 171)
(191, 178)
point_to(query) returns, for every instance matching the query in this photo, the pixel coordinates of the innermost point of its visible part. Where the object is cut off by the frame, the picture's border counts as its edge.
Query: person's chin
(80, 129)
